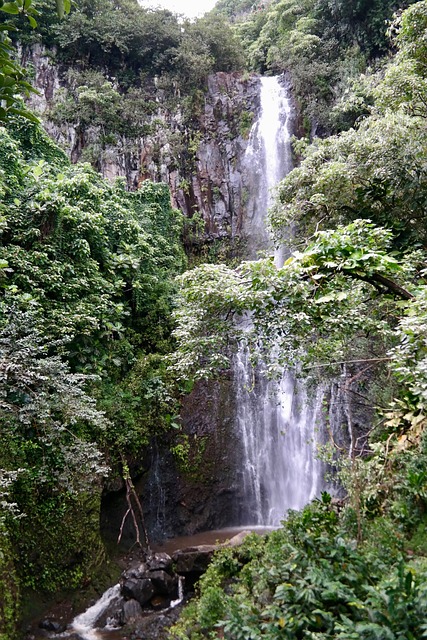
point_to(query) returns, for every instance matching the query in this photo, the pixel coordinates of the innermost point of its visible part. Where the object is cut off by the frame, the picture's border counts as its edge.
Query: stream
(97, 621)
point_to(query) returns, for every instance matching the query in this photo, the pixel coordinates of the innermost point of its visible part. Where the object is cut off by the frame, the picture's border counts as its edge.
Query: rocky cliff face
(193, 485)
(217, 186)
(200, 154)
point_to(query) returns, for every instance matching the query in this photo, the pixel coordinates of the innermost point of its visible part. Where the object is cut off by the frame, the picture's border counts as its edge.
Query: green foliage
(12, 76)
(57, 544)
(307, 580)
(143, 402)
(404, 85)
(321, 302)
(350, 299)
(233, 8)
(223, 46)
(188, 453)
(375, 172)
(9, 589)
(106, 33)
(48, 425)
(13, 81)
(124, 39)
(86, 295)
(94, 256)
(319, 43)
(246, 120)
(91, 100)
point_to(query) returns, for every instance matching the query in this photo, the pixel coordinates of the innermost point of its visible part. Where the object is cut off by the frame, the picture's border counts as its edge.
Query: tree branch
(378, 279)
(330, 364)
(135, 510)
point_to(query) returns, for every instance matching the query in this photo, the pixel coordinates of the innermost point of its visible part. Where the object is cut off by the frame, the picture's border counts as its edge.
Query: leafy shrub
(308, 580)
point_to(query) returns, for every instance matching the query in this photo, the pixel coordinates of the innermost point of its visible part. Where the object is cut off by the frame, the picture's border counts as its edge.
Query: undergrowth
(310, 580)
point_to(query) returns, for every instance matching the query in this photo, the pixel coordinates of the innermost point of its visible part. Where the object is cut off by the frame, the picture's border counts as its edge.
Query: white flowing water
(268, 159)
(279, 422)
(85, 624)
(180, 598)
(280, 427)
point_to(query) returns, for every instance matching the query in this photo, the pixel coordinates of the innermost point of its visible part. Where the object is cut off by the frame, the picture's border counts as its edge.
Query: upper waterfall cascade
(278, 422)
(268, 159)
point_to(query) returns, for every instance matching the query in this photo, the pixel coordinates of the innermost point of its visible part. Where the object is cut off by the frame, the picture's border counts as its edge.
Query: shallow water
(207, 537)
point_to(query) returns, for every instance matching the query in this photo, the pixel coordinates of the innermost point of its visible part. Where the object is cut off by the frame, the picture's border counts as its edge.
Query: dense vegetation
(87, 280)
(322, 45)
(308, 580)
(87, 273)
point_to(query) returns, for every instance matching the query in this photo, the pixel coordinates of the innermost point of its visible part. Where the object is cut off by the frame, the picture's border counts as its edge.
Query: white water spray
(85, 623)
(278, 421)
(180, 598)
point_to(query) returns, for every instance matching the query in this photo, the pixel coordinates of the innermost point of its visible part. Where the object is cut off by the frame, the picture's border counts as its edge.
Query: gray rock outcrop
(200, 157)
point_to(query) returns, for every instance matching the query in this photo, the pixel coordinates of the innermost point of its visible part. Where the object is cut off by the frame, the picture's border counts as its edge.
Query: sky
(190, 8)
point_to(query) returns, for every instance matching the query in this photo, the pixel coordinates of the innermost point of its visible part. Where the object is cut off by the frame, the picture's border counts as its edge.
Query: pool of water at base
(170, 545)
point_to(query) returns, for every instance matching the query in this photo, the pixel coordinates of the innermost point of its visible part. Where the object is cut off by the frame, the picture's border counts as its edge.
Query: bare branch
(330, 364)
(134, 509)
(119, 539)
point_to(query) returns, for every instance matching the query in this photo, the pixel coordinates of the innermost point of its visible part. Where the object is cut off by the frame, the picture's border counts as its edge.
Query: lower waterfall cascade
(280, 426)
(279, 423)
(86, 623)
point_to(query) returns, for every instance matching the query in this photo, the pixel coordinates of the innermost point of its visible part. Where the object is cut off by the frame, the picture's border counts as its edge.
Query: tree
(86, 294)
(13, 81)
(321, 301)
(404, 85)
(375, 172)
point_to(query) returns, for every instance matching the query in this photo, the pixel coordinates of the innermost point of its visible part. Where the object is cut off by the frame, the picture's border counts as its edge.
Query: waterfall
(278, 422)
(268, 159)
(180, 598)
(279, 425)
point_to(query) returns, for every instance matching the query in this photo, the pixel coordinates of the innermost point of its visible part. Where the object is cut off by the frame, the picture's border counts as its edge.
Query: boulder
(136, 573)
(163, 583)
(193, 559)
(131, 610)
(140, 590)
(154, 562)
(159, 562)
(236, 540)
(52, 625)
(154, 626)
